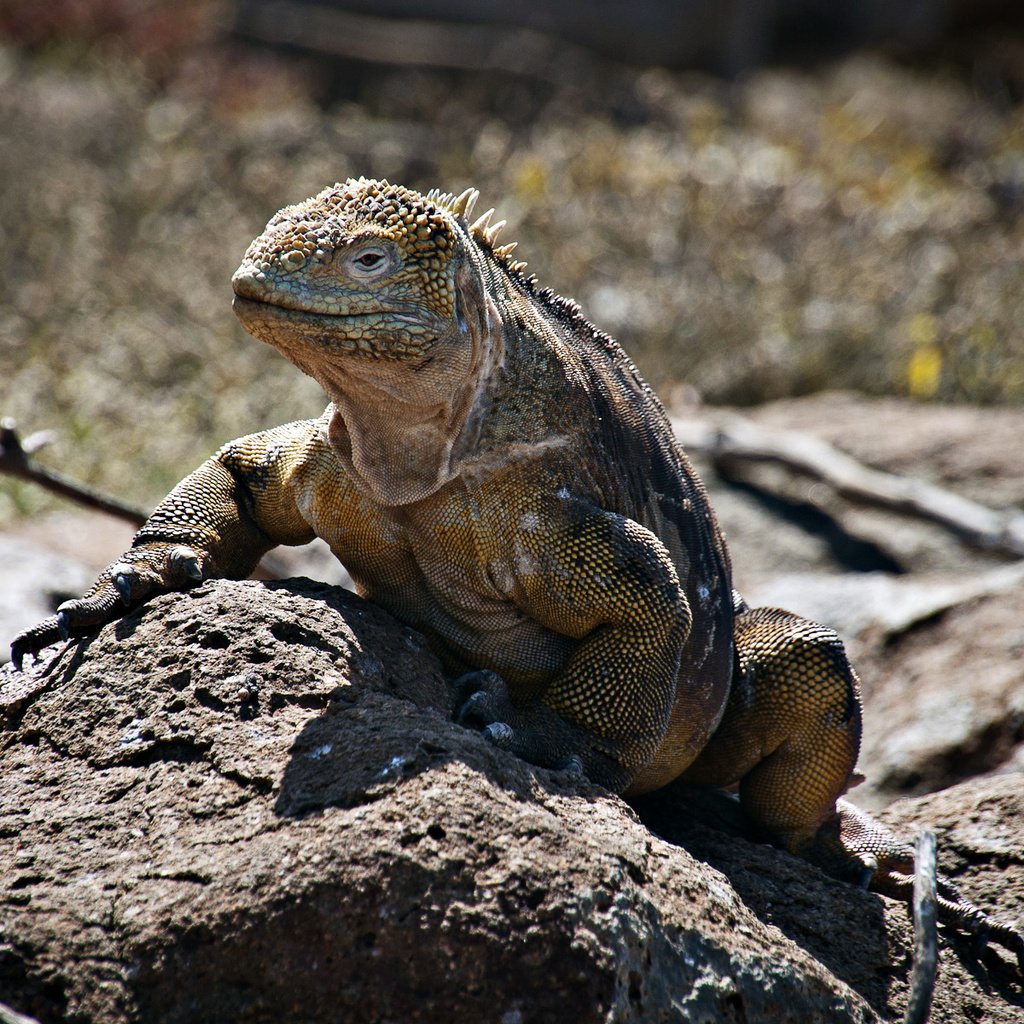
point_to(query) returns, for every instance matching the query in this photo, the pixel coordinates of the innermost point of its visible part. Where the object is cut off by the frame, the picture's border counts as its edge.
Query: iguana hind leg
(790, 734)
(789, 739)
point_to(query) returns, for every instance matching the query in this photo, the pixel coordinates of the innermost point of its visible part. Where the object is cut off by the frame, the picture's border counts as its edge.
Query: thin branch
(15, 461)
(738, 440)
(926, 952)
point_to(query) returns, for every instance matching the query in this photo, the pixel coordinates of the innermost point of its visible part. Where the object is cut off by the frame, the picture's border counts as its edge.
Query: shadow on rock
(796, 897)
(385, 728)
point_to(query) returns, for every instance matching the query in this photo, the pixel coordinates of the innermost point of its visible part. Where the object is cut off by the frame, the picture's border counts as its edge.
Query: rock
(249, 803)
(32, 583)
(943, 701)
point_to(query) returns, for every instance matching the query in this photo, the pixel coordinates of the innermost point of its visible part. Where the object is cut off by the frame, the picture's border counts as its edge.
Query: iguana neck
(404, 433)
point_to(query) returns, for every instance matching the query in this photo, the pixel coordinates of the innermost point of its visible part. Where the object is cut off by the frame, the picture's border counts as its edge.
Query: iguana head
(367, 269)
(382, 294)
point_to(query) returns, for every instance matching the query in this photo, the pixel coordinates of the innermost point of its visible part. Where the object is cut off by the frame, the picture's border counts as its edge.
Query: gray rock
(249, 803)
(32, 583)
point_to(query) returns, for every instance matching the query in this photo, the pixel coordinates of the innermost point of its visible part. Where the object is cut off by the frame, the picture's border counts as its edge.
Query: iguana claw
(500, 734)
(186, 561)
(573, 768)
(984, 932)
(868, 865)
(475, 707)
(123, 586)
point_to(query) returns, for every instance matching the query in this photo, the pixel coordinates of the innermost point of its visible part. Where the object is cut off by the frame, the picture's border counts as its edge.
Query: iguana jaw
(375, 333)
(408, 355)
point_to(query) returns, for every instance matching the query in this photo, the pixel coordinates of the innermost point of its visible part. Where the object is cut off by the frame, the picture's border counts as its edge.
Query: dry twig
(926, 952)
(738, 440)
(15, 460)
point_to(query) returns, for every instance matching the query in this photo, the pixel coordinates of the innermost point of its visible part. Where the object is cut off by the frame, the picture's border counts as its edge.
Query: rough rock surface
(249, 803)
(944, 702)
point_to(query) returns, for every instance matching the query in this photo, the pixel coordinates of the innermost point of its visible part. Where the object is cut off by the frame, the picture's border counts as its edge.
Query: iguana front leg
(608, 582)
(218, 522)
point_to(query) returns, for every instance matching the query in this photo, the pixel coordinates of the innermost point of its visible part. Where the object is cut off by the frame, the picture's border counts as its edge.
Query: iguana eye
(370, 261)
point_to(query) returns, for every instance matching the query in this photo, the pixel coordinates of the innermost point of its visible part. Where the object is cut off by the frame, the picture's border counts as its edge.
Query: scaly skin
(493, 471)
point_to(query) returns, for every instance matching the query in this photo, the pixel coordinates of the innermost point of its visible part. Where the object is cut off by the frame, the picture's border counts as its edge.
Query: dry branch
(15, 460)
(926, 952)
(736, 440)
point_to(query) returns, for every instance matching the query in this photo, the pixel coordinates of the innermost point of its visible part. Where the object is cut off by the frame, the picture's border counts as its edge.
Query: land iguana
(494, 472)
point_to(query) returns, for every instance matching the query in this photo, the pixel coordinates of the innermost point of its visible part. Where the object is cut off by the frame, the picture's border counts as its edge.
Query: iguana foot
(138, 574)
(1008, 937)
(486, 705)
(533, 731)
(854, 846)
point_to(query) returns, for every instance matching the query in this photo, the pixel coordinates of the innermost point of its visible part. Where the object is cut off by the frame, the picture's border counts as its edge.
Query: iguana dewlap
(494, 472)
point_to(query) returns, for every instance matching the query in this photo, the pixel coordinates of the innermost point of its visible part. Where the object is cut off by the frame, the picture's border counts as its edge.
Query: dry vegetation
(856, 226)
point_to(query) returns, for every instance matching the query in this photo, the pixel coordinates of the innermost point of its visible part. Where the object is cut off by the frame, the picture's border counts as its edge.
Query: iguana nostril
(293, 260)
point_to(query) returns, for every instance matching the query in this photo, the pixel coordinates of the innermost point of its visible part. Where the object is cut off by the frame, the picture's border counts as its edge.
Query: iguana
(494, 472)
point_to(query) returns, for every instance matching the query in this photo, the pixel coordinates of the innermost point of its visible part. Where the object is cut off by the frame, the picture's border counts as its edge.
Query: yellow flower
(924, 371)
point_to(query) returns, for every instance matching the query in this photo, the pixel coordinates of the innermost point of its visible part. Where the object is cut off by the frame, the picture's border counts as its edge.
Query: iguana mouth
(243, 304)
(341, 324)
(380, 334)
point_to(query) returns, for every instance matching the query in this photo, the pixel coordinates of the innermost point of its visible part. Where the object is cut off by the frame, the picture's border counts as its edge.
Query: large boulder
(249, 803)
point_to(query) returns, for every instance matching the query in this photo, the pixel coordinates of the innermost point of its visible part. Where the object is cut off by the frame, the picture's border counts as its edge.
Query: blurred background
(757, 199)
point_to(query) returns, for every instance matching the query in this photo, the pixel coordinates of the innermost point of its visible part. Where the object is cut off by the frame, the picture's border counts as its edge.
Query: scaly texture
(493, 471)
